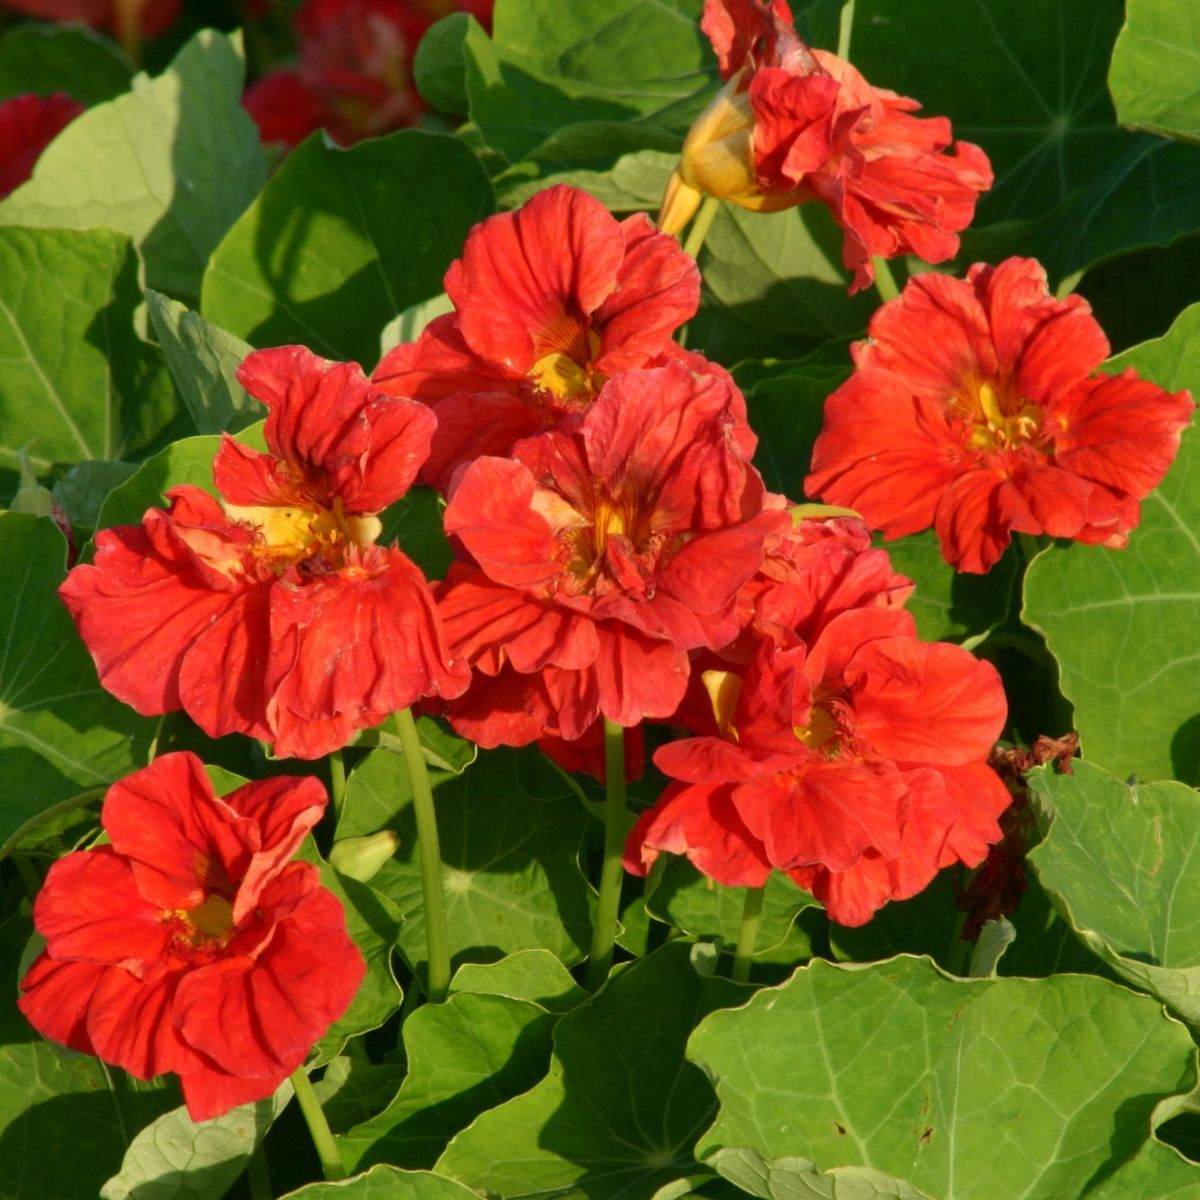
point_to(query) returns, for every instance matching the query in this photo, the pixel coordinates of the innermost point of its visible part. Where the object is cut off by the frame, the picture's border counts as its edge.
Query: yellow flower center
(566, 351)
(1001, 419)
(298, 533)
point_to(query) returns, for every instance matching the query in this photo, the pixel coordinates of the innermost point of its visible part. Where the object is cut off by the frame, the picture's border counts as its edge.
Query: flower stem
(29, 875)
(128, 22)
(337, 783)
(437, 941)
(845, 28)
(885, 281)
(604, 933)
(747, 934)
(258, 1176)
(700, 225)
(318, 1127)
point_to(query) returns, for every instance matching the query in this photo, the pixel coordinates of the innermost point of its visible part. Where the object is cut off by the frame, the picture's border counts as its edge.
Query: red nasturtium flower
(277, 615)
(549, 302)
(28, 124)
(354, 78)
(856, 765)
(974, 408)
(794, 124)
(603, 553)
(191, 943)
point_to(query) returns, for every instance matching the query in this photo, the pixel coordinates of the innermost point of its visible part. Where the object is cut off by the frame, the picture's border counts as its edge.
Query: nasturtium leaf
(1122, 863)
(76, 383)
(340, 241)
(948, 605)
(681, 896)
(56, 58)
(373, 921)
(203, 361)
(408, 325)
(527, 975)
(187, 461)
(171, 164)
(443, 748)
(960, 1088)
(440, 66)
(63, 1123)
(626, 167)
(1157, 1172)
(510, 833)
(353, 1088)
(60, 732)
(176, 1158)
(618, 1113)
(83, 490)
(549, 65)
(386, 1183)
(1155, 73)
(464, 1056)
(1121, 622)
(774, 284)
(799, 1179)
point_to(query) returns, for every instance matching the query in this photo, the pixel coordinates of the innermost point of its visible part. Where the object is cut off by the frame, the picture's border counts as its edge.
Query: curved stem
(700, 225)
(604, 932)
(885, 281)
(845, 28)
(48, 814)
(437, 941)
(747, 934)
(337, 783)
(318, 1127)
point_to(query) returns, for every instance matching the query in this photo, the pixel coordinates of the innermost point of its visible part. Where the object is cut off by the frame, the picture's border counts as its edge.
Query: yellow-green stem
(318, 1127)
(337, 783)
(129, 26)
(437, 941)
(845, 28)
(604, 932)
(885, 281)
(747, 934)
(700, 225)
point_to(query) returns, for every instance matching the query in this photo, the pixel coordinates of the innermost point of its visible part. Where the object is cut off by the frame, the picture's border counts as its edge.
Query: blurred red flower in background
(278, 615)
(354, 77)
(28, 124)
(794, 124)
(191, 943)
(153, 17)
(974, 408)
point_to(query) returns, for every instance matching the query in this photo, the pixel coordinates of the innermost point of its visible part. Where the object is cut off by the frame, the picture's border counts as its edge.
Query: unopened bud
(361, 857)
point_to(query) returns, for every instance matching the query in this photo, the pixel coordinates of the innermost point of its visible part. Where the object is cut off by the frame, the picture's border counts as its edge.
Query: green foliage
(1122, 864)
(956, 1088)
(510, 833)
(1154, 69)
(340, 241)
(60, 732)
(174, 1158)
(1120, 622)
(54, 58)
(77, 383)
(386, 1183)
(203, 361)
(171, 164)
(619, 1110)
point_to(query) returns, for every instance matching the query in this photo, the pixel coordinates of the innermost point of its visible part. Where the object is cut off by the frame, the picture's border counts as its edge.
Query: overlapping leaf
(510, 835)
(1122, 623)
(171, 164)
(1155, 72)
(958, 1089)
(616, 1116)
(340, 241)
(54, 58)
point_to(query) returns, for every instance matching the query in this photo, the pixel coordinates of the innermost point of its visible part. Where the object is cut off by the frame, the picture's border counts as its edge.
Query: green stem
(885, 281)
(318, 1127)
(845, 28)
(337, 783)
(49, 814)
(604, 933)
(700, 225)
(437, 941)
(258, 1175)
(747, 934)
(1032, 545)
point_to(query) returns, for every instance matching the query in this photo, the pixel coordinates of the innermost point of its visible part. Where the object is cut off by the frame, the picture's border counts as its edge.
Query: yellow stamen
(723, 688)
